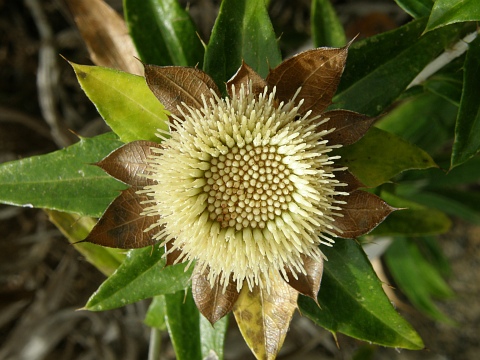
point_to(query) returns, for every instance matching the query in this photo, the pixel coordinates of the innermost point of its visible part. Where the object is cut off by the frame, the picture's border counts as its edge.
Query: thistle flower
(245, 187)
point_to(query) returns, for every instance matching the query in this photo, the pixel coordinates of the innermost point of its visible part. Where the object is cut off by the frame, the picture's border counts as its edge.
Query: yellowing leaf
(125, 102)
(75, 227)
(264, 318)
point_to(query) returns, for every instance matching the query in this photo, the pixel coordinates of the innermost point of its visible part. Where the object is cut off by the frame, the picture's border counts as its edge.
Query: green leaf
(365, 352)
(327, 30)
(470, 199)
(155, 316)
(163, 32)
(192, 334)
(183, 324)
(379, 156)
(466, 173)
(212, 337)
(76, 228)
(426, 120)
(365, 312)
(243, 31)
(449, 87)
(141, 276)
(63, 180)
(450, 203)
(416, 8)
(414, 220)
(467, 129)
(431, 250)
(446, 12)
(364, 57)
(438, 180)
(125, 102)
(417, 279)
(381, 67)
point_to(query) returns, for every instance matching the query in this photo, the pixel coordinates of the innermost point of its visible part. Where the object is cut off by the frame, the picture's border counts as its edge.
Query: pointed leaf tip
(349, 126)
(128, 163)
(122, 225)
(317, 72)
(307, 284)
(242, 77)
(264, 318)
(214, 303)
(361, 214)
(124, 101)
(175, 85)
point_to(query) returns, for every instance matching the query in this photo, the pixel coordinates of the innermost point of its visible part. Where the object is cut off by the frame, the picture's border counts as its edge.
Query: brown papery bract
(244, 75)
(175, 85)
(122, 225)
(317, 72)
(308, 284)
(213, 302)
(129, 163)
(349, 126)
(362, 212)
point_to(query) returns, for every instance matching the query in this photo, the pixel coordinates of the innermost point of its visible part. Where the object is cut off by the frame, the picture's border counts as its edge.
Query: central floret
(248, 187)
(244, 186)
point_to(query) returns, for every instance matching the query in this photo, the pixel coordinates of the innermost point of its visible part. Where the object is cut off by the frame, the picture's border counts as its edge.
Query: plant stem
(446, 57)
(155, 344)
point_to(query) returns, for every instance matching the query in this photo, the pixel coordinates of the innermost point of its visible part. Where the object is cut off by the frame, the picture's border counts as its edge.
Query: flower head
(244, 186)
